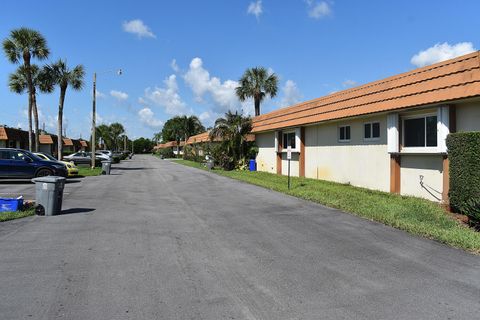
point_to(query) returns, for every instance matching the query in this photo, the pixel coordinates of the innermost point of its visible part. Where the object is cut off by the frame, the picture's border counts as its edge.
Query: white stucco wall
(358, 162)
(266, 157)
(468, 116)
(294, 164)
(428, 166)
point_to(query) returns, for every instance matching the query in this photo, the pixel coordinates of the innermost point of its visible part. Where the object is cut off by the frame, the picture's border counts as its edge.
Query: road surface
(157, 240)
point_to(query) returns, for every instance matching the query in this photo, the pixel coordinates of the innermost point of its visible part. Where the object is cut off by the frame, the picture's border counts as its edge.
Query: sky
(185, 57)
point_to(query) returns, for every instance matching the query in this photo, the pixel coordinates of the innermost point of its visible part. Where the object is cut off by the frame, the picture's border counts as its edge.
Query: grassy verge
(88, 172)
(414, 215)
(5, 216)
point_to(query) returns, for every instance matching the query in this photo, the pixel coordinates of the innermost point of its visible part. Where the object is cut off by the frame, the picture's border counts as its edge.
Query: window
(289, 140)
(344, 133)
(372, 130)
(420, 132)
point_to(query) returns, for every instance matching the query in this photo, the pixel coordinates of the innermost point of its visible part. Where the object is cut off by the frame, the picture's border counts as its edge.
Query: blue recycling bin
(7, 204)
(252, 165)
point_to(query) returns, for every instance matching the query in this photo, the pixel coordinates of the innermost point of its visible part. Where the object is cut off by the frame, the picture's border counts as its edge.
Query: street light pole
(93, 118)
(94, 112)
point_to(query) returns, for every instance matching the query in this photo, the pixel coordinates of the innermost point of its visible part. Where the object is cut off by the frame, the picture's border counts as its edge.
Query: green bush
(464, 154)
(166, 153)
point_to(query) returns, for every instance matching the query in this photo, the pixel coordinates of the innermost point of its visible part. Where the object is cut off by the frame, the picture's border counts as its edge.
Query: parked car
(103, 156)
(83, 157)
(22, 164)
(107, 152)
(72, 169)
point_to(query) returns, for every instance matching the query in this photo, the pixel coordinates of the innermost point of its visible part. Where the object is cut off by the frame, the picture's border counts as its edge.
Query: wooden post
(279, 152)
(301, 158)
(395, 173)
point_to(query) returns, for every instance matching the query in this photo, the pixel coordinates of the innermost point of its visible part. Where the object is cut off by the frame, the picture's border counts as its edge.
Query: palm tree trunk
(26, 62)
(257, 107)
(60, 123)
(35, 120)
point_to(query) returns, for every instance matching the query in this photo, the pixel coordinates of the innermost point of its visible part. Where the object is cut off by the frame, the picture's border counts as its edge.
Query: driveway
(157, 240)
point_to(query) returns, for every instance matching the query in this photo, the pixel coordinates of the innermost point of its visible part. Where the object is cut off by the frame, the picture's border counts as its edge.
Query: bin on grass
(106, 166)
(11, 204)
(210, 164)
(252, 165)
(49, 195)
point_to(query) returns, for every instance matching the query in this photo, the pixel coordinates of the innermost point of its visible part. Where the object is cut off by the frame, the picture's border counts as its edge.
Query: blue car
(22, 164)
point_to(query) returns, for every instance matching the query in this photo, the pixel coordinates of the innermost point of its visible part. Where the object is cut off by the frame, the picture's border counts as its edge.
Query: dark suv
(22, 164)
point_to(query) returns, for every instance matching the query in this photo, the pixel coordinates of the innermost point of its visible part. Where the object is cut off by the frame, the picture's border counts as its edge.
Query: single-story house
(13, 138)
(177, 148)
(387, 135)
(47, 144)
(197, 141)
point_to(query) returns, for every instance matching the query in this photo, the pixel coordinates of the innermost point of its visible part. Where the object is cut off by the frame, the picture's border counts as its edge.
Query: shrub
(464, 154)
(166, 153)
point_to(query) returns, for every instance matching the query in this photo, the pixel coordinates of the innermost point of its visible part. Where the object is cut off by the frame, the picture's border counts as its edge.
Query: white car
(107, 152)
(103, 156)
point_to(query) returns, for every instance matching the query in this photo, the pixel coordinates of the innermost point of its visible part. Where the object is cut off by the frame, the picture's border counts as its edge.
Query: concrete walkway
(157, 240)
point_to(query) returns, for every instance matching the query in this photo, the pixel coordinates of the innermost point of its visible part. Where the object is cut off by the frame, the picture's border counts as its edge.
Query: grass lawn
(5, 216)
(415, 215)
(88, 172)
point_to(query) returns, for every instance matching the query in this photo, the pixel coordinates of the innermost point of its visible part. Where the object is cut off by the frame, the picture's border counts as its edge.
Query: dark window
(344, 133)
(376, 130)
(420, 132)
(372, 130)
(368, 130)
(289, 140)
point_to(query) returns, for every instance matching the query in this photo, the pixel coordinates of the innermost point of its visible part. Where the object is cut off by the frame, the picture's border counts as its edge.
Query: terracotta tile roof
(445, 81)
(3, 134)
(45, 139)
(169, 144)
(83, 143)
(205, 137)
(67, 142)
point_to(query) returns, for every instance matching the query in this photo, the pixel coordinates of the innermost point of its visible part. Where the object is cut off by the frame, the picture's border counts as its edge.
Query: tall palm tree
(23, 45)
(190, 126)
(232, 131)
(257, 83)
(60, 74)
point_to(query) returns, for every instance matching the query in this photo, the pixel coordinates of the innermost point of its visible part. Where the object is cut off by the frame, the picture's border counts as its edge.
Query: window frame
(339, 130)
(283, 139)
(372, 138)
(425, 148)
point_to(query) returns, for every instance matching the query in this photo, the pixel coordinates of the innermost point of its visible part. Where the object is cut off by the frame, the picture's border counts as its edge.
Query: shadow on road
(15, 182)
(72, 181)
(126, 168)
(76, 210)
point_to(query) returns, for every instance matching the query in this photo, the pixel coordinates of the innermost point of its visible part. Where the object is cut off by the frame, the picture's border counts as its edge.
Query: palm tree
(59, 74)
(25, 44)
(256, 83)
(18, 83)
(157, 137)
(190, 126)
(232, 131)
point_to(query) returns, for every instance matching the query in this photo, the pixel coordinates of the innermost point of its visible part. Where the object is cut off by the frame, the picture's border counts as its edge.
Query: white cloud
(291, 94)
(222, 93)
(99, 94)
(147, 117)
(119, 95)
(318, 10)
(349, 83)
(139, 28)
(441, 52)
(255, 8)
(167, 97)
(174, 65)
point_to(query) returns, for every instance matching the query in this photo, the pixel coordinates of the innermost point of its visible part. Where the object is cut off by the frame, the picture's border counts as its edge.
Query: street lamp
(94, 110)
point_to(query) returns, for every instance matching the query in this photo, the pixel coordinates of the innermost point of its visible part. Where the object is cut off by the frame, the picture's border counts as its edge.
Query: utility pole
(125, 143)
(93, 117)
(132, 144)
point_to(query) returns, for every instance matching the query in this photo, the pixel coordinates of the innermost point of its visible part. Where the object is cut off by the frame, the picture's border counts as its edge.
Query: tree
(256, 83)
(60, 74)
(232, 131)
(157, 137)
(142, 145)
(25, 44)
(181, 127)
(112, 135)
(17, 83)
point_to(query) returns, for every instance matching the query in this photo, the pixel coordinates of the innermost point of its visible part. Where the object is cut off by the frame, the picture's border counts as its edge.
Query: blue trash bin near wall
(253, 165)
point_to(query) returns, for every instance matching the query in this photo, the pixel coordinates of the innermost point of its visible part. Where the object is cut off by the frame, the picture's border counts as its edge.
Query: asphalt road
(157, 240)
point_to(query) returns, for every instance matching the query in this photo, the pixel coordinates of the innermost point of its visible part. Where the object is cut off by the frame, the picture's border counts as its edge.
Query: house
(177, 148)
(13, 138)
(387, 135)
(48, 144)
(68, 145)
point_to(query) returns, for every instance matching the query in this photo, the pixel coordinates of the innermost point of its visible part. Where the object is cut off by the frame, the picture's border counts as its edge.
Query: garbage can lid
(49, 179)
(106, 161)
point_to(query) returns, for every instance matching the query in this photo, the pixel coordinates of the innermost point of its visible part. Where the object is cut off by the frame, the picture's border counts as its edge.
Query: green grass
(414, 215)
(5, 216)
(88, 172)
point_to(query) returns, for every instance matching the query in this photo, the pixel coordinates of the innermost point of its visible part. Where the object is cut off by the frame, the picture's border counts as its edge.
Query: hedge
(464, 155)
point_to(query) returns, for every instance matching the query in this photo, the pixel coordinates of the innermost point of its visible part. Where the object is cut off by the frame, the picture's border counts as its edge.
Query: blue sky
(184, 57)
